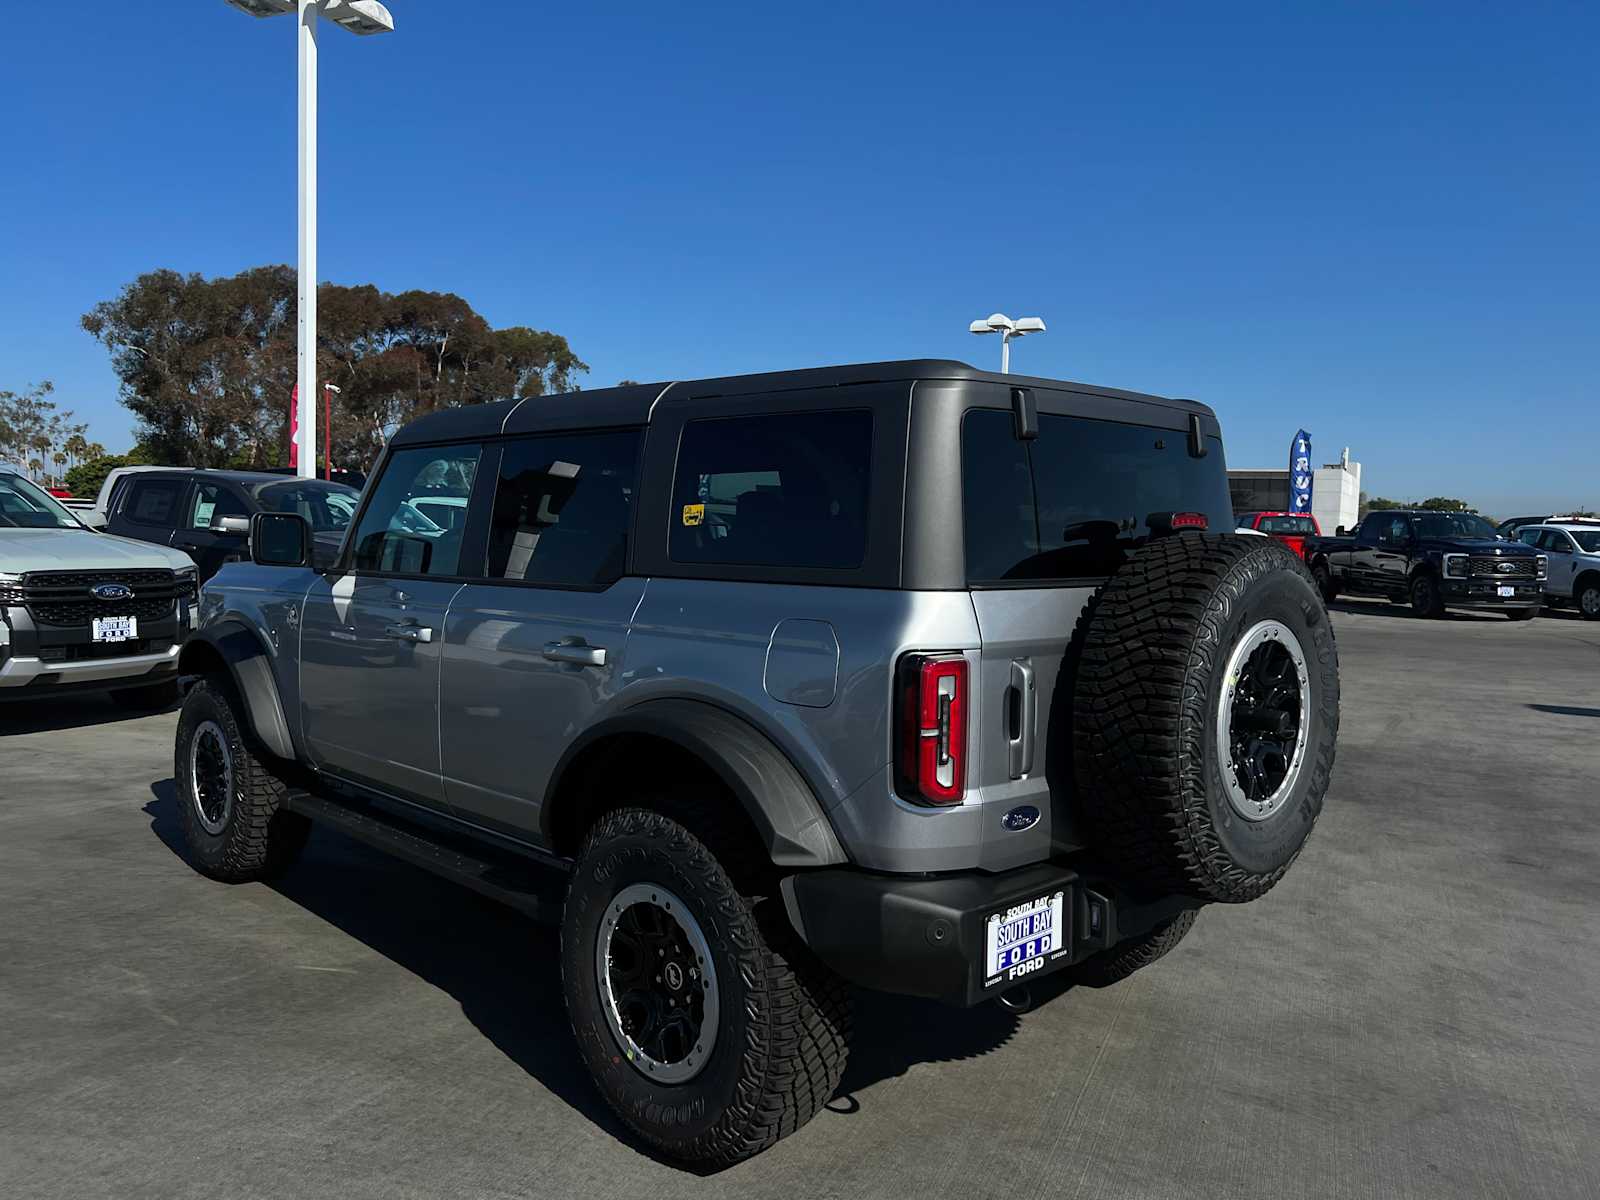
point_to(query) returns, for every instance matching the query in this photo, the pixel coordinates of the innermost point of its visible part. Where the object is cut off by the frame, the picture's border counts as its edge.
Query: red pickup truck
(1291, 529)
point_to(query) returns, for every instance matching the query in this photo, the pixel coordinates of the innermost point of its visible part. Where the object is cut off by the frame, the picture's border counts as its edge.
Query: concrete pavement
(1414, 1012)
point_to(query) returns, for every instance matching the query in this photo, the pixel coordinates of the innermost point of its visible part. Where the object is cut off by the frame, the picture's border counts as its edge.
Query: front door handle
(408, 631)
(575, 652)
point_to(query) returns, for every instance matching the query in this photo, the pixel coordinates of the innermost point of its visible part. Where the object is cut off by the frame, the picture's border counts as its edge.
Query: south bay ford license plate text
(1022, 934)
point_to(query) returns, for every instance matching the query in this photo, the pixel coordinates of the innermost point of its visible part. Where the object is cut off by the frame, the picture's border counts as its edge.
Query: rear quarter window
(773, 490)
(1072, 503)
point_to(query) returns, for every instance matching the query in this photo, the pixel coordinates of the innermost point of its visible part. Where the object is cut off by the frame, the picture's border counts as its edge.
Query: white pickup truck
(82, 610)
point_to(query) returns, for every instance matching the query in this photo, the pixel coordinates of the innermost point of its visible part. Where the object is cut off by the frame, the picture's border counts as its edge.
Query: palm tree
(76, 447)
(35, 467)
(60, 459)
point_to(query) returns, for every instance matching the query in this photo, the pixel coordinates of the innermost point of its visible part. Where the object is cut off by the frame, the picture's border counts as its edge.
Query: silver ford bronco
(904, 675)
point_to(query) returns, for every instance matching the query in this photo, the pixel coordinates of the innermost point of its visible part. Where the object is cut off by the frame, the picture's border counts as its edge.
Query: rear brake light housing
(931, 728)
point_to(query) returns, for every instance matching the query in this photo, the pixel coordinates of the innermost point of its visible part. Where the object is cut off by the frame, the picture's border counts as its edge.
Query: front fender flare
(782, 806)
(249, 665)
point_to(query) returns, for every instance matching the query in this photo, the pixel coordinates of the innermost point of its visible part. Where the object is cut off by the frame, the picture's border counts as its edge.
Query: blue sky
(1380, 222)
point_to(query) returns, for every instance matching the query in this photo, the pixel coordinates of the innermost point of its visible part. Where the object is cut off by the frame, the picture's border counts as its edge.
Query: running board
(531, 886)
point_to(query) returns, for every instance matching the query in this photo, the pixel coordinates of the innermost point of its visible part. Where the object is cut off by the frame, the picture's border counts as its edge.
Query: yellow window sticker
(694, 514)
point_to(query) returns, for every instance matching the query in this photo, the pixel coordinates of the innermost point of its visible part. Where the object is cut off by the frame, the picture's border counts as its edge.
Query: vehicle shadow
(1565, 710)
(503, 969)
(66, 712)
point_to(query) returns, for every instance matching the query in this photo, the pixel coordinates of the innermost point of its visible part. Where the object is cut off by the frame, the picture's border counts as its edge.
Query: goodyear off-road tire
(234, 822)
(1116, 964)
(776, 1049)
(1163, 799)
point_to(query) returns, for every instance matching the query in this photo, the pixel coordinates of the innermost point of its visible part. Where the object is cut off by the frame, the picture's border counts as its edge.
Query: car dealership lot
(1411, 1013)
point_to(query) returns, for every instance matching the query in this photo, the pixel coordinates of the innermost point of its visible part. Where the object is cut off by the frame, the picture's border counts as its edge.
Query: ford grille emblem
(1020, 818)
(111, 591)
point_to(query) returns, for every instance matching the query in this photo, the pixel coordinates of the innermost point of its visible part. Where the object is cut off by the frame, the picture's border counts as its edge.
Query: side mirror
(1341, 531)
(234, 525)
(280, 540)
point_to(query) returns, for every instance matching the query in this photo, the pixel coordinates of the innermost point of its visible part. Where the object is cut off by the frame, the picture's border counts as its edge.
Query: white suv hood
(81, 550)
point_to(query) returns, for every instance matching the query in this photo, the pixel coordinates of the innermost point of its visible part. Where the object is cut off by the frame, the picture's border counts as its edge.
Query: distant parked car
(1433, 560)
(1291, 529)
(80, 611)
(206, 514)
(1573, 548)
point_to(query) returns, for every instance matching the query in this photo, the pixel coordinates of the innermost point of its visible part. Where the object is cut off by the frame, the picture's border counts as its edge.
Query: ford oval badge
(1020, 818)
(111, 591)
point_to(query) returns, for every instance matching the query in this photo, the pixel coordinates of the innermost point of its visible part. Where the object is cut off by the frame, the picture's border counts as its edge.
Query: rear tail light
(932, 727)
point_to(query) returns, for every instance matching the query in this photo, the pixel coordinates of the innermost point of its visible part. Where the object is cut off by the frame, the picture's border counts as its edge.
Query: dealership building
(1335, 492)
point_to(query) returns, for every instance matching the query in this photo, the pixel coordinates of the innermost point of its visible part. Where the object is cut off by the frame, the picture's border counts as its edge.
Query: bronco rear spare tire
(1205, 715)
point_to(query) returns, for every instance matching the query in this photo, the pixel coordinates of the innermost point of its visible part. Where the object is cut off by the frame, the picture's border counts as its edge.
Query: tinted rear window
(783, 490)
(1286, 525)
(1074, 501)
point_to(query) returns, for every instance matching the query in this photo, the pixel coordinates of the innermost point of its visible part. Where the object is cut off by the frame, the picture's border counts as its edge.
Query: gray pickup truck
(903, 675)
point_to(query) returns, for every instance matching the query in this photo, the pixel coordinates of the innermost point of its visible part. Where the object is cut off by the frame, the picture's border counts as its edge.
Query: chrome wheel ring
(211, 776)
(1263, 720)
(658, 984)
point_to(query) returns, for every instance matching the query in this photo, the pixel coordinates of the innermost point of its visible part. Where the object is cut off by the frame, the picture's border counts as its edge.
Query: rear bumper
(927, 936)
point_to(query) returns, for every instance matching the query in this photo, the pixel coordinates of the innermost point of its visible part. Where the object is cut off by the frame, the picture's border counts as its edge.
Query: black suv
(206, 514)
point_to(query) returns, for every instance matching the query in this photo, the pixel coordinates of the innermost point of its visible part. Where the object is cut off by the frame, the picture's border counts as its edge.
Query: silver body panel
(474, 721)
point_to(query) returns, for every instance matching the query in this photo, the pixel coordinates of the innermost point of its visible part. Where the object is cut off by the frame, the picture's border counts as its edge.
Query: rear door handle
(575, 652)
(409, 631)
(1021, 707)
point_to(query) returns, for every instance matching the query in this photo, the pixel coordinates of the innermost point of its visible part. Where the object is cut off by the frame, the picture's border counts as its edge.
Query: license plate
(116, 629)
(1024, 934)
(1508, 591)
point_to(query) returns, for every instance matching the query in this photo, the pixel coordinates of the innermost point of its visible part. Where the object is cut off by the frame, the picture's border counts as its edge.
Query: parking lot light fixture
(362, 17)
(1007, 329)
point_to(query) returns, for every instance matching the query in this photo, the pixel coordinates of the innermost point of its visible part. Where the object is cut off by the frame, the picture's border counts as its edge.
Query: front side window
(326, 507)
(562, 509)
(395, 536)
(1092, 487)
(211, 501)
(1555, 540)
(153, 502)
(23, 505)
(782, 490)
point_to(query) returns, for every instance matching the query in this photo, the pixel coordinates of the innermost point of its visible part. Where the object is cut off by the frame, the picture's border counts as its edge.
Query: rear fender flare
(781, 805)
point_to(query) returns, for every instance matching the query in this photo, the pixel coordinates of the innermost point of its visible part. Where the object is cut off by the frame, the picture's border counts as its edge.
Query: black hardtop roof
(632, 405)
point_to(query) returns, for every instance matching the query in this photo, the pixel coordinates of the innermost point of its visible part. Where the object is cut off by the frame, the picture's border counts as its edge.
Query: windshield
(327, 507)
(24, 505)
(1588, 540)
(1287, 525)
(1453, 525)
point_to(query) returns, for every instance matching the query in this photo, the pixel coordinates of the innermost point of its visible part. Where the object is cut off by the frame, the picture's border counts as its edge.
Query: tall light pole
(1007, 329)
(361, 17)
